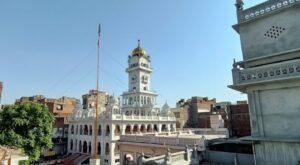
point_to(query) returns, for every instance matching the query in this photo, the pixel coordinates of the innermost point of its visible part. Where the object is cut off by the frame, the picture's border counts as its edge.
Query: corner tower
(270, 75)
(139, 99)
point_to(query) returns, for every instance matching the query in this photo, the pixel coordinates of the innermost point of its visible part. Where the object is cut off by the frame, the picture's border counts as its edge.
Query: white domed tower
(139, 99)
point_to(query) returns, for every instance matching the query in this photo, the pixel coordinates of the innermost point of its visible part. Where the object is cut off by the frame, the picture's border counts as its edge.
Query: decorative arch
(85, 130)
(107, 149)
(143, 128)
(149, 128)
(107, 130)
(155, 128)
(117, 130)
(135, 128)
(128, 129)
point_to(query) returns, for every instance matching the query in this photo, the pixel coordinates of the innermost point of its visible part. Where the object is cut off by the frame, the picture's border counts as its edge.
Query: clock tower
(139, 99)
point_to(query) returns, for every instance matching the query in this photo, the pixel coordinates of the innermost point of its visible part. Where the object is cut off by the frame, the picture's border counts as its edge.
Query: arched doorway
(143, 128)
(128, 130)
(164, 128)
(107, 149)
(85, 131)
(155, 128)
(107, 131)
(99, 148)
(135, 128)
(149, 128)
(84, 147)
(117, 130)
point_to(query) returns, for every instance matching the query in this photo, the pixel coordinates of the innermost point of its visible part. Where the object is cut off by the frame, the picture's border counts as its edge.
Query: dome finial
(139, 43)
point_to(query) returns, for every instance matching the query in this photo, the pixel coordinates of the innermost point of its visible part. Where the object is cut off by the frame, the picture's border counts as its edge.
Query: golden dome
(139, 51)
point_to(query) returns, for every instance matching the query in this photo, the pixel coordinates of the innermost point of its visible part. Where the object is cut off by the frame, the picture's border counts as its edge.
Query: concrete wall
(226, 158)
(256, 44)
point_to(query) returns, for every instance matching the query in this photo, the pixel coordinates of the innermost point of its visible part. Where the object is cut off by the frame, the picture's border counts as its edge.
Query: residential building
(181, 114)
(199, 112)
(269, 74)
(61, 109)
(135, 113)
(239, 119)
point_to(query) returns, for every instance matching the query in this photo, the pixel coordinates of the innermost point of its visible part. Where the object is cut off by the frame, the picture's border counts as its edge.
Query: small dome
(139, 51)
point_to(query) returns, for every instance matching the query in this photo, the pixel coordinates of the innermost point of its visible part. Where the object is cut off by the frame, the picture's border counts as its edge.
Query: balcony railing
(279, 71)
(265, 8)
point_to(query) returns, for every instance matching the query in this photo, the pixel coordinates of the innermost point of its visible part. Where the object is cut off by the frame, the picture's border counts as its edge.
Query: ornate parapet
(265, 8)
(266, 73)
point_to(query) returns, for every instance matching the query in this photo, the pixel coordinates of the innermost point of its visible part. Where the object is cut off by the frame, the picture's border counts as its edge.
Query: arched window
(99, 130)
(107, 130)
(107, 149)
(99, 148)
(85, 131)
(71, 144)
(72, 129)
(117, 130)
(149, 128)
(128, 130)
(164, 128)
(135, 129)
(80, 129)
(84, 147)
(76, 129)
(91, 130)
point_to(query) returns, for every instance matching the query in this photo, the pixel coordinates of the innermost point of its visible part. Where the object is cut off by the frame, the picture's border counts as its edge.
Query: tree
(28, 127)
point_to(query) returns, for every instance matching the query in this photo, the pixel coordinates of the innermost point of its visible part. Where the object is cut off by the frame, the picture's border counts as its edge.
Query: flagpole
(96, 123)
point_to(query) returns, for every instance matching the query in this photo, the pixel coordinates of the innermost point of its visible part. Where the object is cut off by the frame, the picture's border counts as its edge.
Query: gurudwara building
(135, 113)
(270, 75)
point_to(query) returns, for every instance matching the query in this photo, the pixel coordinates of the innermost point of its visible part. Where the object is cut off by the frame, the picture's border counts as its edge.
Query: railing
(288, 69)
(265, 8)
(174, 141)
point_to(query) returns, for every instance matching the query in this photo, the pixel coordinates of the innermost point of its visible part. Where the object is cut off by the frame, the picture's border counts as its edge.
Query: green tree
(28, 127)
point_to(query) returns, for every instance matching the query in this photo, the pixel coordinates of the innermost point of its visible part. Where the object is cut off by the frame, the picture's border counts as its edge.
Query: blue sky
(49, 47)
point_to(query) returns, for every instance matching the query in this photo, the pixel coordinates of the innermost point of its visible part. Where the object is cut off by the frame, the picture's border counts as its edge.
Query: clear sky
(49, 47)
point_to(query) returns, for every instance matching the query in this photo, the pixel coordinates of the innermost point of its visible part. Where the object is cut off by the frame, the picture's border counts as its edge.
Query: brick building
(200, 111)
(181, 113)
(89, 100)
(239, 119)
(61, 109)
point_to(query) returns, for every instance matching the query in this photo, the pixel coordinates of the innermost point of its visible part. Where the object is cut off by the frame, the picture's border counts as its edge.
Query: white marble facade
(136, 114)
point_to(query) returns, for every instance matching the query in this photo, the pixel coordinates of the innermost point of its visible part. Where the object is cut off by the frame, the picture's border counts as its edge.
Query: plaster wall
(254, 42)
